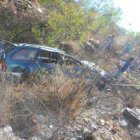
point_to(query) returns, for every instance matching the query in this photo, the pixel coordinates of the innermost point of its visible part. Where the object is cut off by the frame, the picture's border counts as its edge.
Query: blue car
(33, 58)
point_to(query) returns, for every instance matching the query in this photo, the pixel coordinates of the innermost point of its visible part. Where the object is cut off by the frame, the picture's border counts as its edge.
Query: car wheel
(132, 116)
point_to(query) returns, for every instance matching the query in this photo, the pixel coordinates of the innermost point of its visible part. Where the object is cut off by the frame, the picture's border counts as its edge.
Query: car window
(44, 57)
(55, 57)
(25, 54)
(49, 57)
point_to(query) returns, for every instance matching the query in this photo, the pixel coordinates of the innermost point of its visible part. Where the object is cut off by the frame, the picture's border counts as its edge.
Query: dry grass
(57, 96)
(58, 93)
(6, 100)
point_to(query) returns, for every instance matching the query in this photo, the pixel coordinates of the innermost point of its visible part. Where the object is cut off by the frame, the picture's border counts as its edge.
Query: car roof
(45, 48)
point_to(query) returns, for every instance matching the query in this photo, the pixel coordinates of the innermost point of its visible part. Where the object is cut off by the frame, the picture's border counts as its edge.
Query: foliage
(15, 27)
(76, 20)
(101, 15)
(65, 22)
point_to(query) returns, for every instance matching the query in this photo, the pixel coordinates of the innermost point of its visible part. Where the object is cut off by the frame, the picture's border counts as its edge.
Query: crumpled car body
(6, 46)
(37, 58)
(96, 68)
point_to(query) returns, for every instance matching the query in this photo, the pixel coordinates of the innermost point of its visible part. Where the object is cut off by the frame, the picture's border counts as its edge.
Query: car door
(22, 59)
(48, 60)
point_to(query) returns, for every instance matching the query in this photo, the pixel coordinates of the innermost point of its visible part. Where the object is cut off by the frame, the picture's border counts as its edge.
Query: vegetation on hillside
(60, 21)
(51, 101)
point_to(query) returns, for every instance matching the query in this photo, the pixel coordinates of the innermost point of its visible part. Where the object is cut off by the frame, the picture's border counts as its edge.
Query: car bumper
(10, 75)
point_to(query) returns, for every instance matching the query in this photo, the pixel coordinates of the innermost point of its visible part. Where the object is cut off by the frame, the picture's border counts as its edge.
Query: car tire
(132, 116)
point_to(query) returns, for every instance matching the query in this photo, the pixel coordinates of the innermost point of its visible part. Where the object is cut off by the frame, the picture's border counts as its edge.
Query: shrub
(54, 96)
(58, 93)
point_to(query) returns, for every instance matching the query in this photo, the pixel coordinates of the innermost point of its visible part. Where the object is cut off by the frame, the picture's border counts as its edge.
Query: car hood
(94, 67)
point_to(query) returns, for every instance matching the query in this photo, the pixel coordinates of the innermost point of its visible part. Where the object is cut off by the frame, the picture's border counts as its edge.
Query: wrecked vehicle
(35, 58)
(27, 58)
(102, 75)
(93, 66)
(32, 58)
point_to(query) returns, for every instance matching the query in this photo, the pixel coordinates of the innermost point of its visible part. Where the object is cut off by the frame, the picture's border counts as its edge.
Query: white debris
(39, 10)
(51, 127)
(123, 123)
(7, 129)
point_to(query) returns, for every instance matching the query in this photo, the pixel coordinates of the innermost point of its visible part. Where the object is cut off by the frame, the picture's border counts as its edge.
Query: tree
(100, 15)
(65, 22)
